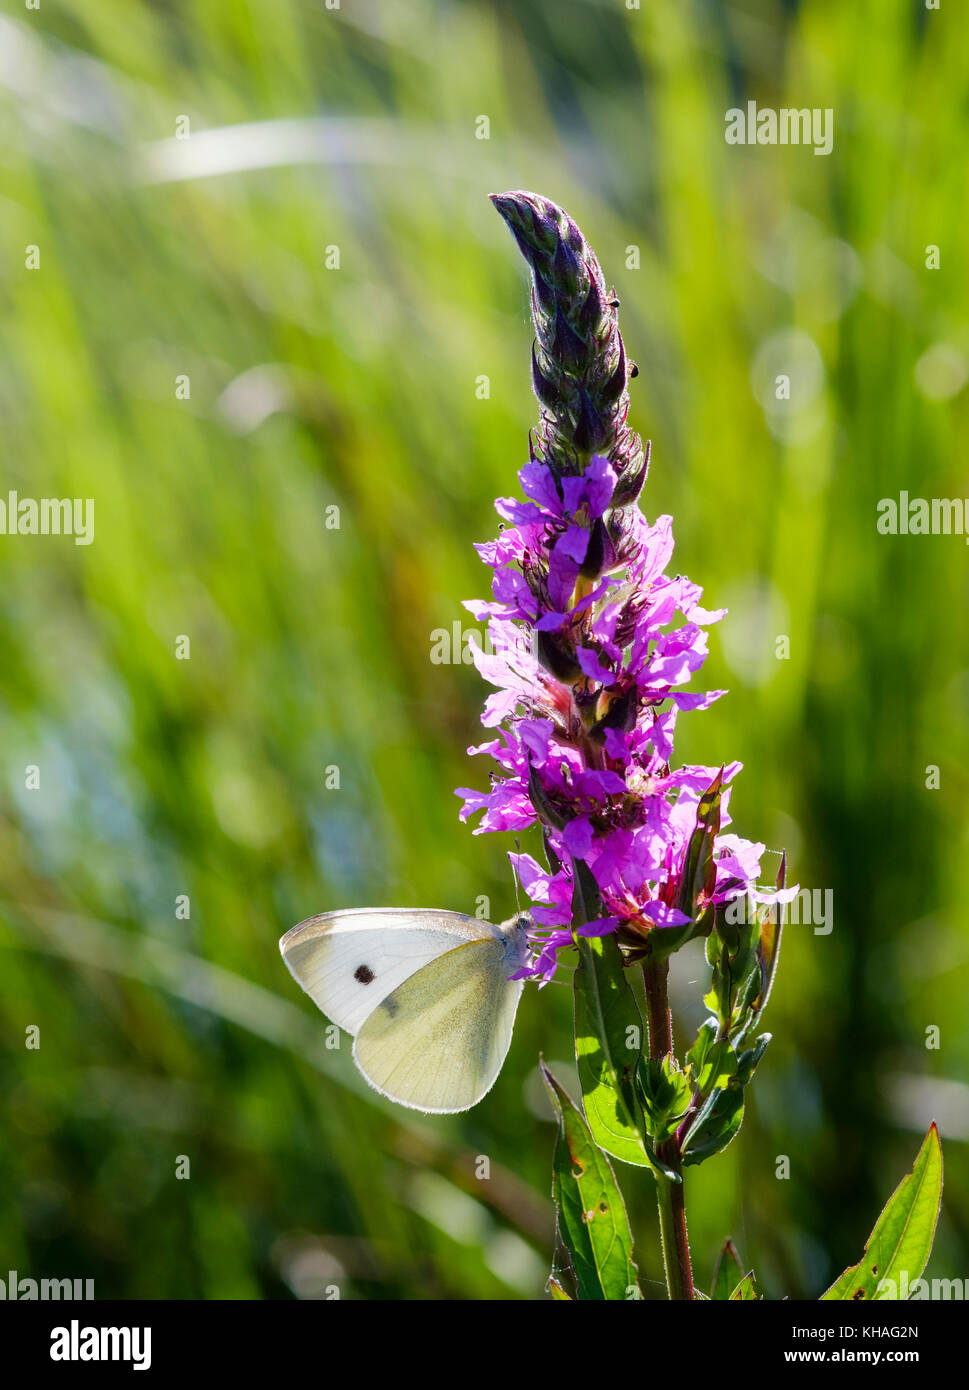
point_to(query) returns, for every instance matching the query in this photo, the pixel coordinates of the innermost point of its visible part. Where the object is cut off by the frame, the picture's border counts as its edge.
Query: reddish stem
(669, 1195)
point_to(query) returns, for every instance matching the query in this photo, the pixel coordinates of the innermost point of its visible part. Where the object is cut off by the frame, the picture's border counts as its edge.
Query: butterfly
(426, 996)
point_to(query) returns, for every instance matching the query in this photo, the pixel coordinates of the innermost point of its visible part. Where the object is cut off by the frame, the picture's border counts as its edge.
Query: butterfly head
(516, 932)
(521, 922)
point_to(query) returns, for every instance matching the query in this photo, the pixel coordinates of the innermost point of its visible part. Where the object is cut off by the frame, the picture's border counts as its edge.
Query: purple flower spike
(591, 642)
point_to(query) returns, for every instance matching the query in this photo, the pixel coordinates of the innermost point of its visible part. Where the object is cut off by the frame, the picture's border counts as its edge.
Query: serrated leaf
(592, 1221)
(745, 1292)
(728, 1273)
(903, 1234)
(608, 1046)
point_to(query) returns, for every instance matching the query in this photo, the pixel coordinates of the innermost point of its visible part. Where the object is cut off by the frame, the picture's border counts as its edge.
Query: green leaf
(663, 1166)
(748, 1059)
(592, 1221)
(902, 1239)
(745, 1292)
(716, 1124)
(728, 1273)
(750, 991)
(714, 1063)
(558, 1292)
(608, 1046)
(732, 956)
(666, 1095)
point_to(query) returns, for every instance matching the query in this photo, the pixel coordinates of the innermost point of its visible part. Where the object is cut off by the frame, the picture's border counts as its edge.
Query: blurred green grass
(356, 388)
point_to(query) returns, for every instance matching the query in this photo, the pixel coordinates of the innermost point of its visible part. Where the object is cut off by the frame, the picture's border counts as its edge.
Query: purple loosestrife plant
(594, 650)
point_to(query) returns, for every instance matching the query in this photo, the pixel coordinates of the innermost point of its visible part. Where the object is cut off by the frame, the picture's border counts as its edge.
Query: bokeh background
(313, 386)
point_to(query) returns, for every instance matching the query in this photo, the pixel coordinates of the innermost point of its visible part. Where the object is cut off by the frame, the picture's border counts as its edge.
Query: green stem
(670, 1197)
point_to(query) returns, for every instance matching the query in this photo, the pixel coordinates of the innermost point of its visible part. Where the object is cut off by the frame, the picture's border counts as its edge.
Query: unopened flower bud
(579, 365)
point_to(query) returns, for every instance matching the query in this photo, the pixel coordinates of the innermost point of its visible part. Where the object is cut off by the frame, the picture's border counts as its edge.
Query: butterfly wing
(437, 1042)
(347, 962)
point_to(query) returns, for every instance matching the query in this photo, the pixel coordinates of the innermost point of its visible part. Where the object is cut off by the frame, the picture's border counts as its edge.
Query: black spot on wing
(364, 974)
(390, 1004)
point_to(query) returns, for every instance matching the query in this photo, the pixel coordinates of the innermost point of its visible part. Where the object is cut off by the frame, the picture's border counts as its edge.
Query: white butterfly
(425, 994)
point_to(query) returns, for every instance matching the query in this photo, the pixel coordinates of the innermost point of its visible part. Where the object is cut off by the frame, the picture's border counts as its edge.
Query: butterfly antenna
(514, 874)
